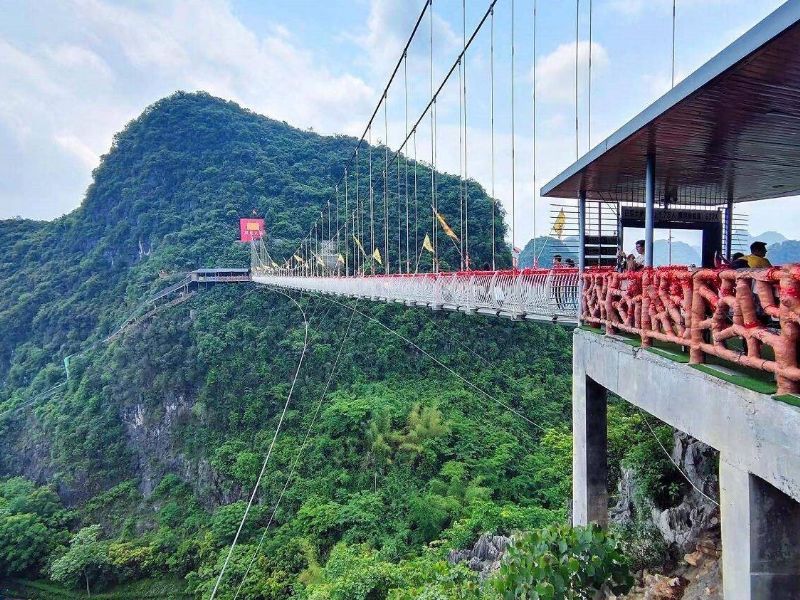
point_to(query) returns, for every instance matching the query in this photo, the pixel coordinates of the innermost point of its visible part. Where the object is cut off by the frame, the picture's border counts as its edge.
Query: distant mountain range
(780, 250)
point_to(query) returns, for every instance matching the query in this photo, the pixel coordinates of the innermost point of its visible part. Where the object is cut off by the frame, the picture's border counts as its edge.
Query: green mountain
(134, 474)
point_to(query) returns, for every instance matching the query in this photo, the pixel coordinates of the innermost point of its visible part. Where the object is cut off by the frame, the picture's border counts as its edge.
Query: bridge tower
(709, 349)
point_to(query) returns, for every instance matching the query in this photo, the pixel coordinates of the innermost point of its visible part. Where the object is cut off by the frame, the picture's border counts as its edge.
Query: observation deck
(710, 350)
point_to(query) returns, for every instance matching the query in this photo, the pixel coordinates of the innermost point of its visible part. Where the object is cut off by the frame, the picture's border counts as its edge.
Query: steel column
(650, 209)
(582, 230)
(729, 228)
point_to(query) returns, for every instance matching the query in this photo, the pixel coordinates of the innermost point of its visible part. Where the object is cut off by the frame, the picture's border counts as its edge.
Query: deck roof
(730, 129)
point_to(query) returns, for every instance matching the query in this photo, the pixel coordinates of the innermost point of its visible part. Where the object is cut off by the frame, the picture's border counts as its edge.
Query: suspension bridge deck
(534, 294)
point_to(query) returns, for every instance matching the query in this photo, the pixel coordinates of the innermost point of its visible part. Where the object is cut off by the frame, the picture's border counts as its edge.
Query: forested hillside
(134, 475)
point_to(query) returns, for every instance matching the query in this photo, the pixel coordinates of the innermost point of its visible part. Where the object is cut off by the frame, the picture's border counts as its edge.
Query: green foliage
(561, 562)
(33, 524)
(157, 438)
(86, 562)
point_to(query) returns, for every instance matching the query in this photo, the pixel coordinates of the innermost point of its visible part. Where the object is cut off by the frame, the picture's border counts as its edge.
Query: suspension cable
(386, 260)
(371, 208)
(673, 44)
(346, 216)
(298, 456)
(535, 192)
(577, 20)
(271, 446)
(416, 205)
(466, 143)
(433, 156)
(460, 168)
(589, 91)
(441, 364)
(405, 162)
(513, 148)
(491, 120)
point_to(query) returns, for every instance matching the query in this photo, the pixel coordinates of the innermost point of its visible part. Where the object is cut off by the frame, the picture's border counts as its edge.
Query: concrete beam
(755, 433)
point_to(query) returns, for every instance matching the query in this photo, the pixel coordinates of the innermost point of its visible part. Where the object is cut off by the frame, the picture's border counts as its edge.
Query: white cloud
(80, 58)
(130, 55)
(76, 147)
(555, 72)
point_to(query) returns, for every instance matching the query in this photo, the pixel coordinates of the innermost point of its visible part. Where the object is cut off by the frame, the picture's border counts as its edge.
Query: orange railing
(706, 311)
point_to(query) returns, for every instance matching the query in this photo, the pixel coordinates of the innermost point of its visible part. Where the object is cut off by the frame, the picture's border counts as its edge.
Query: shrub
(561, 562)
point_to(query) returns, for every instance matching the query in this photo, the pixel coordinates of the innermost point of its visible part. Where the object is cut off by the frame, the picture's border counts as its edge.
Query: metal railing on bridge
(537, 294)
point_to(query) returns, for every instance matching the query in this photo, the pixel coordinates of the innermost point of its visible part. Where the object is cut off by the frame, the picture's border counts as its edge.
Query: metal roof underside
(732, 128)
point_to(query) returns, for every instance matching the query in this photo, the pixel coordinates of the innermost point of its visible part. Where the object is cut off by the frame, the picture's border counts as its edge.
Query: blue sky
(73, 72)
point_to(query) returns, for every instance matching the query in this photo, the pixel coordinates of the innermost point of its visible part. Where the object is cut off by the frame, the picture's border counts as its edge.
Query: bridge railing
(529, 293)
(746, 316)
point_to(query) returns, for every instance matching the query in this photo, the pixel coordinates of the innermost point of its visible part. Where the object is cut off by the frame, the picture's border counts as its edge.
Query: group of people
(757, 259)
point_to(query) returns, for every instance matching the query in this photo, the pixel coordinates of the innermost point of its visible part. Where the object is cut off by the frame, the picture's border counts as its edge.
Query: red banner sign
(251, 229)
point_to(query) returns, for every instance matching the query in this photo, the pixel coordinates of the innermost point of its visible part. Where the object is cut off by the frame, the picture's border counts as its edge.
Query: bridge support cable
(535, 192)
(447, 368)
(491, 121)
(460, 168)
(577, 22)
(674, 463)
(271, 446)
(465, 252)
(589, 83)
(386, 261)
(416, 207)
(513, 145)
(405, 162)
(299, 455)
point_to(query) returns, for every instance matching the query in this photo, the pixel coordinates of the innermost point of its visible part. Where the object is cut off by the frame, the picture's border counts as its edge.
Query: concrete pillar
(760, 538)
(649, 209)
(589, 451)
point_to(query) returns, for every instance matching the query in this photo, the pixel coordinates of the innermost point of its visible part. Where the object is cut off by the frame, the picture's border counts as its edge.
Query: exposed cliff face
(681, 525)
(689, 529)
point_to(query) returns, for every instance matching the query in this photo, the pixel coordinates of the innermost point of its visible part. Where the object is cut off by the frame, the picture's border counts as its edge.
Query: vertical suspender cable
(346, 216)
(577, 20)
(460, 168)
(356, 219)
(433, 156)
(416, 206)
(535, 193)
(589, 91)
(405, 161)
(513, 145)
(399, 224)
(673, 44)
(371, 208)
(466, 152)
(386, 260)
(491, 120)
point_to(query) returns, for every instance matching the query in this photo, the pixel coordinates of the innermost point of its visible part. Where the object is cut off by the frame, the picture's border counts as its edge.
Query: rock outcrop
(485, 555)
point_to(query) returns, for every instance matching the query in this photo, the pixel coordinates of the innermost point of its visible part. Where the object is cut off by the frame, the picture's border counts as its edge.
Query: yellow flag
(275, 265)
(320, 262)
(445, 227)
(360, 247)
(298, 259)
(426, 244)
(377, 256)
(558, 224)
(339, 258)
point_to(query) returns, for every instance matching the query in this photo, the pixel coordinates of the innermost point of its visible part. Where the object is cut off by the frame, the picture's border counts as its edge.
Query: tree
(87, 559)
(24, 542)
